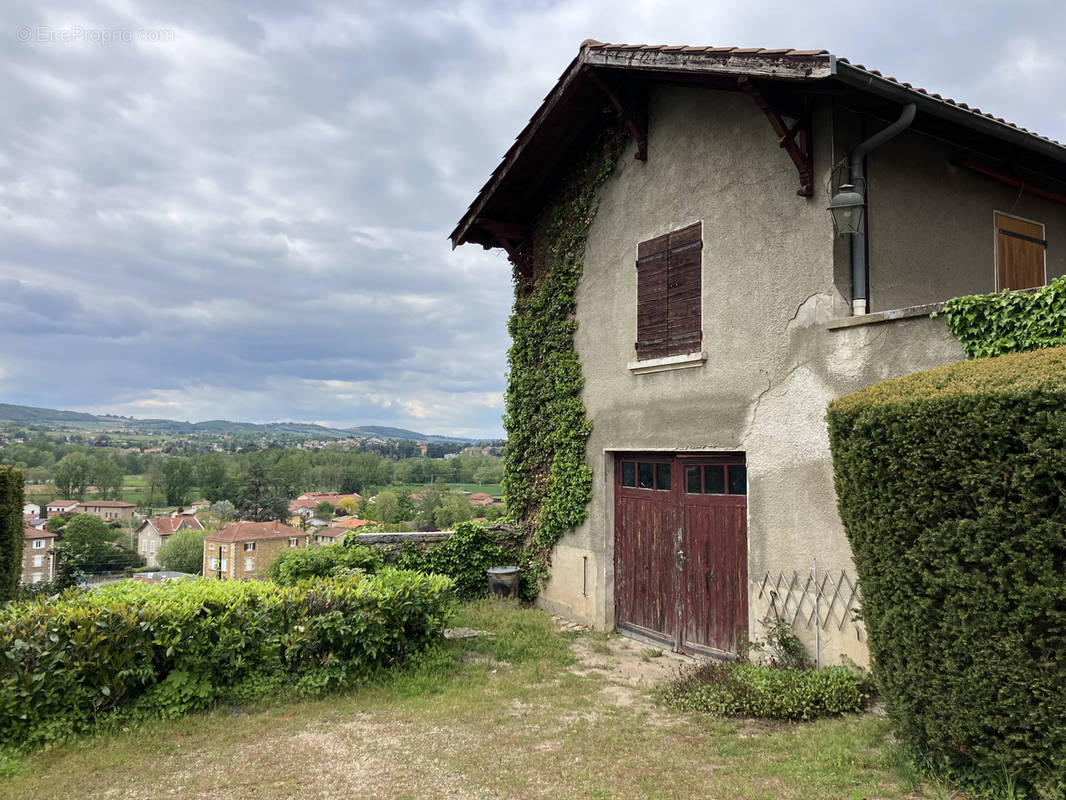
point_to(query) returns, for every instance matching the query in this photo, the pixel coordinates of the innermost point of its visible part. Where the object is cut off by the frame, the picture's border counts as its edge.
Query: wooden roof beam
(795, 139)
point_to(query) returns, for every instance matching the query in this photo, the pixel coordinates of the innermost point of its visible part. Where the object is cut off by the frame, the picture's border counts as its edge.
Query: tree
(349, 505)
(211, 477)
(386, 506)
(183, 551)
(107, 477)
(154, 481)
(11, 536)
(87, 549)
(257, 500)
(325, 510)
(178, 476)
(73, 475)
(453, 509)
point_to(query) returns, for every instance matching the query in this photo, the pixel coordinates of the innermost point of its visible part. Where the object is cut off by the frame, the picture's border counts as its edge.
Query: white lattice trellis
(813, 600)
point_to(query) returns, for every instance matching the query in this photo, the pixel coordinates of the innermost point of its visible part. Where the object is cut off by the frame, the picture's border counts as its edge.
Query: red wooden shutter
(652, 268)
(685, 329)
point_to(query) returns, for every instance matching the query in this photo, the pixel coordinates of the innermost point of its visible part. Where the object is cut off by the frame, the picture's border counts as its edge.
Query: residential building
(244, 550)
(37, 563)
(482, 499)
(718, 312)
(31, 509)
(153, 533)
(61, 506)
(107, 510)
(330, 535)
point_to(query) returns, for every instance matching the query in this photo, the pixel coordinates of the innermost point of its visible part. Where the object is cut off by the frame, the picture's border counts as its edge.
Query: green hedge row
(747, 690)
(131, 649)
(331, 560)
(952, 488)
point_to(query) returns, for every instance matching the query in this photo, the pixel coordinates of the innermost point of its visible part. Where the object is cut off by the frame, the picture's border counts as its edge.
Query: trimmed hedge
(11, 535)
(952, 488)
(747, 690)
(336, 560)
(133, 650)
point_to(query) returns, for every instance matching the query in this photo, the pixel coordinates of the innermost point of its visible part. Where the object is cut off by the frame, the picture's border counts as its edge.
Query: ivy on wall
(1009, 322)
(547, 483)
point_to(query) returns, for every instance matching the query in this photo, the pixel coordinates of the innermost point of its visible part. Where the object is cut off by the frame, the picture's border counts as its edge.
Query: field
(529, 712)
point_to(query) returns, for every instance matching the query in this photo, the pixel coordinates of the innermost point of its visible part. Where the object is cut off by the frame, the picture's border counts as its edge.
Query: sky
(223, 210)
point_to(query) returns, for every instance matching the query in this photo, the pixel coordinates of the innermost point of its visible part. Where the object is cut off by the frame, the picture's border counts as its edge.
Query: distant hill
(29, 415)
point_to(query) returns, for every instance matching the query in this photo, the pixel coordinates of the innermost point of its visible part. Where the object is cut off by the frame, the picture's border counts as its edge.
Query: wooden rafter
(511, 236)
(795, 139)
(634, 118)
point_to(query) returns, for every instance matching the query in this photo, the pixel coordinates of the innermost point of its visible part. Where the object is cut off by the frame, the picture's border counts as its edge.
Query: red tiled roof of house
(105, 504)
(350, 523)
(255, 531)
(192, 523)
(33, 533)
(164, 526)
(481, 499)
(61, 504)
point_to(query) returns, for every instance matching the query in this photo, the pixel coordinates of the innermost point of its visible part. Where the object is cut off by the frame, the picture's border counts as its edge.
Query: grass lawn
(493, 489)
(528, 713)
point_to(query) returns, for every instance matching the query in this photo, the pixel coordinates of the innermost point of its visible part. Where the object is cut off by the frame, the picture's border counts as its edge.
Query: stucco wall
(768, 288)
(931, 234)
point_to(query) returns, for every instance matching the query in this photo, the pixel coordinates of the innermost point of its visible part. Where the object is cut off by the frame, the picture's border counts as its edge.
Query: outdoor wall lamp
(846, 206)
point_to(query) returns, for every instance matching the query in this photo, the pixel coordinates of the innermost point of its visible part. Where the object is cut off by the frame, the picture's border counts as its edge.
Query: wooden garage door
(681, 549)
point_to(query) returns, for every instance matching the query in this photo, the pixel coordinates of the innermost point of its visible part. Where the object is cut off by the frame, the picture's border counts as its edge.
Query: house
(107, 510)
(349, 523)
(61, 506)
(481, 499)
(330, 535)
(718, 310)
(37, 563)
(244, 550)
(31, 509)
(333, 498)
(153, 533)
(34, 522)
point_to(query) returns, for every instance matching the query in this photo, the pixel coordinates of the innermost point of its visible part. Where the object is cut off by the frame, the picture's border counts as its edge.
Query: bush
(329, 560)
(747, 690)
(130, 649)
(183, 551)
(11, 531)
(1009, 322)
(952, 488)
(464, 558)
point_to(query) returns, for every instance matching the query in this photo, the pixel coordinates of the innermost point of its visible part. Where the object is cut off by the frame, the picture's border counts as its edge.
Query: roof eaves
(889, 88)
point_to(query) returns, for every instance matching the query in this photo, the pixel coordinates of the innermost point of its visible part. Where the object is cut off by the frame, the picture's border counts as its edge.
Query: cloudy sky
(239, 210)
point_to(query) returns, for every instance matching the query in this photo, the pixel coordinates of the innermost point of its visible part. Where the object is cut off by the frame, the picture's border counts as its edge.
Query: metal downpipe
(857, 174)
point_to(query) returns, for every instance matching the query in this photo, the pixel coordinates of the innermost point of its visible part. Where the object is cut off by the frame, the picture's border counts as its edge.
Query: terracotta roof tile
(33, 533)
(255, 531)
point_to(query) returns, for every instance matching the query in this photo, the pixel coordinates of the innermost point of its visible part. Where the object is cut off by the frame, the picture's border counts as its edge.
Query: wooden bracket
(511, 236)
(796, 140)
(635, 119)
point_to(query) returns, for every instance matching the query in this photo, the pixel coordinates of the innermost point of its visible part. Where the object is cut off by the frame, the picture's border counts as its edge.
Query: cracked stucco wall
(768, 287)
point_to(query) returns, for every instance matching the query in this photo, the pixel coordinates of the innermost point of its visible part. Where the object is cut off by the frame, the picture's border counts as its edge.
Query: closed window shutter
(1020, 248)
(652, 285)
(669, 294)
(685, 329)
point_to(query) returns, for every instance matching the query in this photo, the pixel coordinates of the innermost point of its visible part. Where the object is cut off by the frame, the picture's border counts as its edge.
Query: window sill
(885, 316)
(667, 363)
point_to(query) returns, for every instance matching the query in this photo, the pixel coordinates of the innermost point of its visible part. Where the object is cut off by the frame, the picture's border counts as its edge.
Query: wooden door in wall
(681, 549)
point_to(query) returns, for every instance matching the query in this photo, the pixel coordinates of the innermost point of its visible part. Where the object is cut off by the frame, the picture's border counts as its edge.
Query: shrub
(748, 690)
(11, 535)
(1009, 322)
(464, 558)
(952, 488)
(183, 551)
(130, 649)
(330, 560)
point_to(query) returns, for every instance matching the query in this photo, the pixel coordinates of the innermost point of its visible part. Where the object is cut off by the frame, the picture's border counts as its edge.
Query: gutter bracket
(636, 121)
(796, 140)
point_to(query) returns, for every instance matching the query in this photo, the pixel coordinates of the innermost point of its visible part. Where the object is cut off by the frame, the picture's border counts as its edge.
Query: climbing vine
(547, 483)
(1009, 322)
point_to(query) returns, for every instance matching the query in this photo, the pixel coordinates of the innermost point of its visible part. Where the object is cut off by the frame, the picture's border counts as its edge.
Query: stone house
(153, 533)
(719, 311)
(330, 535)
(107, 510)
(244, 550)
(37, 563)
